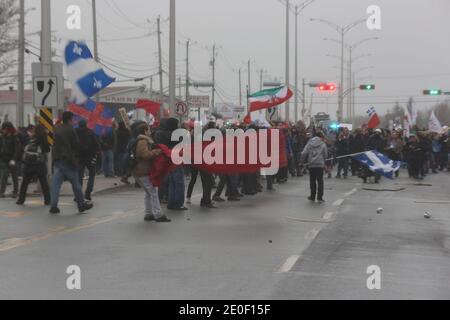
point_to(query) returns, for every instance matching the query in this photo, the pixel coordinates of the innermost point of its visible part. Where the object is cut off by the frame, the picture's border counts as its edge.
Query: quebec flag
(87, 77)
(379, 163)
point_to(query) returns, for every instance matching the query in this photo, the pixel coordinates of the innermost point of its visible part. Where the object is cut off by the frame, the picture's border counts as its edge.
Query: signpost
(124, 116)
(181, 108)
(45, 92)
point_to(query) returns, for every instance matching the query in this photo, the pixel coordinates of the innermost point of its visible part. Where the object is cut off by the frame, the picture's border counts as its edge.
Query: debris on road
(384, 189)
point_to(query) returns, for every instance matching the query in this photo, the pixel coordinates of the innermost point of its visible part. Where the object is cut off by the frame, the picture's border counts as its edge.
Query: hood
(316, 142)
(143, 137)
(172, 124)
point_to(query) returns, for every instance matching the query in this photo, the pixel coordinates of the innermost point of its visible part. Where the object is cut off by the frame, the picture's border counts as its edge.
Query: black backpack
(33, 155)
(132, 159)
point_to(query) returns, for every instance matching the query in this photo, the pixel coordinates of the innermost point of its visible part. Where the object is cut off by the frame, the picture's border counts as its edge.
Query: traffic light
(335, 126)
(326, 87)
(432, 92)
(367, 87)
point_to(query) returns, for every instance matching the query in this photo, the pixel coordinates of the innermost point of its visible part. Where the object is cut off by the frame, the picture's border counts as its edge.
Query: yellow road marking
(14, 243)
(10, 214)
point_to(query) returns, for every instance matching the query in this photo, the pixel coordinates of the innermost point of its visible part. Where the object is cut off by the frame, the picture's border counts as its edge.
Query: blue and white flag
(86, 75)
(379, 163)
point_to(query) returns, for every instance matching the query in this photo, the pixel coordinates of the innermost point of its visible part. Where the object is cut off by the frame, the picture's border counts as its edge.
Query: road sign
(45, 92)
(196, 102)
(271, 114)
(181, 108)
(46, 119)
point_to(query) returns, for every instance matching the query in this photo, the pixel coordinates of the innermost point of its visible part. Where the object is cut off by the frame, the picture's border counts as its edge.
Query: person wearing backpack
(145, 153)
(34, 161)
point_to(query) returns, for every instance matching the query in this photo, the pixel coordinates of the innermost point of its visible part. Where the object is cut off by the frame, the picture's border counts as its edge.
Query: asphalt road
(273, 245)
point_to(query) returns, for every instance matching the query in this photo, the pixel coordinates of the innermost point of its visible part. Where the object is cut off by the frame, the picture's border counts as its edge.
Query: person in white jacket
(315, 155)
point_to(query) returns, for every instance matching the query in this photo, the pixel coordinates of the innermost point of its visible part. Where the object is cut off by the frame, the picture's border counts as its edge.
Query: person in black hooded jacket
(87, 156)
(10, 154)
(37, 167)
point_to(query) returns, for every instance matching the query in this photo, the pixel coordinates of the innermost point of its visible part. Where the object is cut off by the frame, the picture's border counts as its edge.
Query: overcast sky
(412, 53)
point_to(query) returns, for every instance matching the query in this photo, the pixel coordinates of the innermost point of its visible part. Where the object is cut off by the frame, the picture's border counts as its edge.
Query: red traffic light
(327, 87)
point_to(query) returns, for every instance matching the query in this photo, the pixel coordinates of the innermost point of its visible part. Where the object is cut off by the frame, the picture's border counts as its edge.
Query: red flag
(149, 106)
(247, 119)
(374, 122)
(374, 119)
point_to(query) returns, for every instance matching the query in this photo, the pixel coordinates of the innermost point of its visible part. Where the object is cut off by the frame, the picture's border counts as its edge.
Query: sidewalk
(102, 185)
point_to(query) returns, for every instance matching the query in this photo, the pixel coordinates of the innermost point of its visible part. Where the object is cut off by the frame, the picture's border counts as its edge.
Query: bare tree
(9, 15)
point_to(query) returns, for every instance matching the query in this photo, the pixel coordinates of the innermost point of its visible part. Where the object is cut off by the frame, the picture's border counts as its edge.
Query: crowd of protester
(127, 152)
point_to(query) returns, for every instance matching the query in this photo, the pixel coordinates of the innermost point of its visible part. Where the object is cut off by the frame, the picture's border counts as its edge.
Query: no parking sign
(181, 108)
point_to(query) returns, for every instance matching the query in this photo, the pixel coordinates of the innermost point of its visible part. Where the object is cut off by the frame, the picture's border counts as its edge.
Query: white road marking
(348, 194)
(339, 202)
(328, 215)
(290, 262)
(312, 234)
(307, 220)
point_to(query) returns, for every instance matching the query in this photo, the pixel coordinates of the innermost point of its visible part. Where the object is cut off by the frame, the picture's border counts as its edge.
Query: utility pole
(161, 88)
(94, 25)
(249, 88)
(46, 60)
(296, 62)
(21, 67)
(179, 88)
(240, 88)
(213, 80)
(287, 56)
(172, 57)
(46, 41)
(261, 79)
(151, 88)
(303, 99)
(187, 74)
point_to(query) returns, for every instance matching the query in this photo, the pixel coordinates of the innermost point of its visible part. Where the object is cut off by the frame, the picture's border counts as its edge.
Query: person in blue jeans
(176, 190)
(107, 144)
(65, 167)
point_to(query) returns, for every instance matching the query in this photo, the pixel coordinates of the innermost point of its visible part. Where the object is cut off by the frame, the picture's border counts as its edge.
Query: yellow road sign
(46, 119)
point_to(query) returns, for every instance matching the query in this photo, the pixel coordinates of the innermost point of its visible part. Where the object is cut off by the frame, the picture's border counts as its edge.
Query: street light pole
(342, 31)
(349, 98)
(341, 86)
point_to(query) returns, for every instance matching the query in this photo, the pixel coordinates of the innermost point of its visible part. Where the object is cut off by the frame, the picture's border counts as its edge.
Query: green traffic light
(432, 92)
(367, 87)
